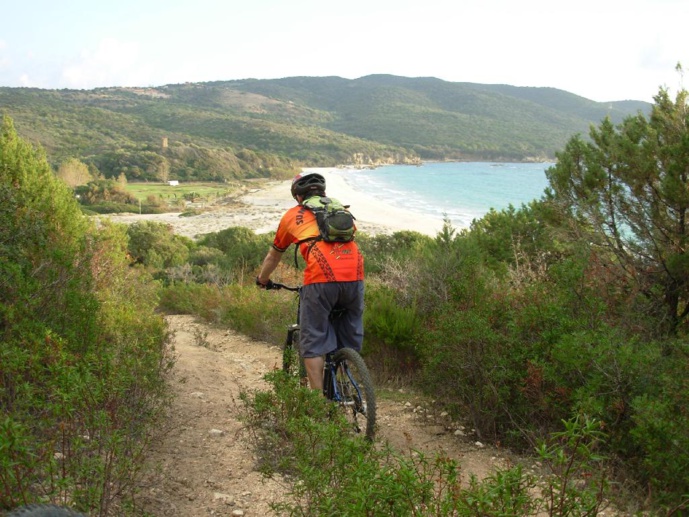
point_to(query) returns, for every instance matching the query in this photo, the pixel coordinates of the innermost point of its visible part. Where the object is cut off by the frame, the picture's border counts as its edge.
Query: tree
(155, 244)
(105, 191)
(630, 187)
(74, 172)
(164, 170)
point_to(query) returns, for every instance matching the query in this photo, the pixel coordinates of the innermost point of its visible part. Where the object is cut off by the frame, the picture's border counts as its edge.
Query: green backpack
(335, 222)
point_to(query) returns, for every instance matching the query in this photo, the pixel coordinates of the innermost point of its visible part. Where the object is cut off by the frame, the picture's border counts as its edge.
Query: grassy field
(203, 191)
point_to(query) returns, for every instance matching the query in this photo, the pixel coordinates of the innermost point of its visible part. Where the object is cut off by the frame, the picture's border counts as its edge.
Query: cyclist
(333, 276)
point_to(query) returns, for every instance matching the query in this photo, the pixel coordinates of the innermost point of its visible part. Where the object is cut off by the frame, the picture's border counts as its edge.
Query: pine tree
(630, 187)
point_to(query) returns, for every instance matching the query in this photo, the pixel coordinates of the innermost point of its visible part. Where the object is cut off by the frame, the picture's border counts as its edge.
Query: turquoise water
(461, 190)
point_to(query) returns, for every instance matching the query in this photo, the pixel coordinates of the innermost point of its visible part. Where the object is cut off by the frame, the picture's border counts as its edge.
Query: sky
(603, 50)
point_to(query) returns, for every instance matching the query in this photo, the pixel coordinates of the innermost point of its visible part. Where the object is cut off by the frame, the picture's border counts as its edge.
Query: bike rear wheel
(355, 390)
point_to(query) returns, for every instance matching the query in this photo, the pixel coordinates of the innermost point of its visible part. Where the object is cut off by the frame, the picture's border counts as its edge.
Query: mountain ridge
(269, 127)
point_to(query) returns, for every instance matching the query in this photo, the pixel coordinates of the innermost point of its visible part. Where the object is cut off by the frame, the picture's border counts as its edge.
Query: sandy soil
(203, 463)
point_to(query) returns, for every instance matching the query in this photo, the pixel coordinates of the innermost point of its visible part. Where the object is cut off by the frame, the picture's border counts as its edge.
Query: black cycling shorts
(320, 334)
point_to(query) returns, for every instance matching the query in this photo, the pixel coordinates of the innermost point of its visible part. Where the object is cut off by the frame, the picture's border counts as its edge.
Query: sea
(460, 191)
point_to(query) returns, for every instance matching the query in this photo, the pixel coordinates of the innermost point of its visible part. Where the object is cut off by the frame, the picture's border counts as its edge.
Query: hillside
(269, 128)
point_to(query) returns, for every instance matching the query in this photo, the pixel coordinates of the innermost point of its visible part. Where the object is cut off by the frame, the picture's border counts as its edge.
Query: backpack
(335, 222)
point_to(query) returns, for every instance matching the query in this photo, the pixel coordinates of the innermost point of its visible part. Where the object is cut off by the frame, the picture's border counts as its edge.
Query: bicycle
(346, 379)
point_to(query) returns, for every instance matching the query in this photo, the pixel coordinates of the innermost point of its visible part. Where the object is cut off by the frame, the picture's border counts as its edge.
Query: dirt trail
(204, 464)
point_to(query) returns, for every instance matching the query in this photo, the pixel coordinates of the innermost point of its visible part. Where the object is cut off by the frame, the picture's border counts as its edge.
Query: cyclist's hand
(268, 285)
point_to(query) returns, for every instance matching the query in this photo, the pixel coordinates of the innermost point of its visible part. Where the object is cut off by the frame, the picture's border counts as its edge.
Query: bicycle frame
(346, 380)
(330, 389)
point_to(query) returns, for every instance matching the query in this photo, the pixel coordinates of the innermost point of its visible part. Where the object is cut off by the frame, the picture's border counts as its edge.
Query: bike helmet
(304, 184)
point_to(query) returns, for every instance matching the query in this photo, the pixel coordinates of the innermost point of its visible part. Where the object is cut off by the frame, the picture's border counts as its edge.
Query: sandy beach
(260, 210)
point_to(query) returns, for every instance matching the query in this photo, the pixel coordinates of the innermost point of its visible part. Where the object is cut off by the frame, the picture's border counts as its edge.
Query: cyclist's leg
(314, 371)
(349, 327)
(317, 334)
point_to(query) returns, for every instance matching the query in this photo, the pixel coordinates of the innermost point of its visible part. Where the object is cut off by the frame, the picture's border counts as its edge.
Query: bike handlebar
(278, 286)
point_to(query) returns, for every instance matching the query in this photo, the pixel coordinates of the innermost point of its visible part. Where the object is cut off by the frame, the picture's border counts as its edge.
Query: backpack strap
(312, 241)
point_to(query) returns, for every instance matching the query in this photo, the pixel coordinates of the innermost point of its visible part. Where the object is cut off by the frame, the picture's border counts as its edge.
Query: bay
(461, 191)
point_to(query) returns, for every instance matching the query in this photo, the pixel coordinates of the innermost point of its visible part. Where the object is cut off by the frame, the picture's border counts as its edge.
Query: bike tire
(358, 397)
(292, 363)
(44, 510)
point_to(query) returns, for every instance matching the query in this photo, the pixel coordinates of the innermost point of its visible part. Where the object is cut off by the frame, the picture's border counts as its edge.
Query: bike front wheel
(355, 393)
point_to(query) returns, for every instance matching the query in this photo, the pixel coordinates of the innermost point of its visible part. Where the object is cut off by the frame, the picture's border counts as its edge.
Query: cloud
(25, 80)
(112, 63)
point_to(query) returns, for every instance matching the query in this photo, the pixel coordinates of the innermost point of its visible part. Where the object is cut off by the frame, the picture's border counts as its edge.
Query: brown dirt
(204, 464)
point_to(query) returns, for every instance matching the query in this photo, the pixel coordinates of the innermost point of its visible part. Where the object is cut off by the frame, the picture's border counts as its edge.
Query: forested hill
(231, 129)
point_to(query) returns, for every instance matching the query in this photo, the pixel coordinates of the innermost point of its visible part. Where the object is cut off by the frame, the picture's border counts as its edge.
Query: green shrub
(155, 245)
(337, 473)
(380, 249)
(104, 191)
(387, 320)
(467, 365)
(203, 300)
(83, 352)
(114, 208)
(657, 445)
(578, 480)
(204, 255)
(660, 434)
(243, 250)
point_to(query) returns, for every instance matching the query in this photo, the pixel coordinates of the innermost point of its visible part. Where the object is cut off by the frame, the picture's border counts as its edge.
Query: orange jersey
(325, 261)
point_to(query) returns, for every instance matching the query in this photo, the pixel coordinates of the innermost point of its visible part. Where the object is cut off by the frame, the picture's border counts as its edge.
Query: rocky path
(204, 465)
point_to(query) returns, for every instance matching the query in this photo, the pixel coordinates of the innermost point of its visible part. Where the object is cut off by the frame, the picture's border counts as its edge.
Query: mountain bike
(346, 379)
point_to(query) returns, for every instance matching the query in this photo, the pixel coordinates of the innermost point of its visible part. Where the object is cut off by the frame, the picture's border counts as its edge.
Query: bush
(113, 208)
(83, 352)
(243, 250)
(155, 245)
(104, 191)
(379, 249)
(387, 320)
(338, 473)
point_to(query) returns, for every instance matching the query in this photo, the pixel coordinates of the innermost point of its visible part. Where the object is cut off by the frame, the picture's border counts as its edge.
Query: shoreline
(260, 210)
(372, 215)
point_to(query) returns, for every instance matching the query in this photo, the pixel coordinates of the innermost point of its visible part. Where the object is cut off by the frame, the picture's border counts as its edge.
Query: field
(192, 191)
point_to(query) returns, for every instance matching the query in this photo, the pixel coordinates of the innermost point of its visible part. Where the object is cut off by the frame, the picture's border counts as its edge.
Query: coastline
(372, 216)
(260, 210)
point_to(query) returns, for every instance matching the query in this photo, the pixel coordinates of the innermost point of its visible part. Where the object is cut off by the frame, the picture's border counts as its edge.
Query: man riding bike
(333, 277)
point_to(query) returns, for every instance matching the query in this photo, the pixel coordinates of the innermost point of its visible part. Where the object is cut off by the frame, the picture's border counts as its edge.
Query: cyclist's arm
(269, 264)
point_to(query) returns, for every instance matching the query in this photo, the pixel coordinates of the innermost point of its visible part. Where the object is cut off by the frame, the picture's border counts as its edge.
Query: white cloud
(25, 80)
